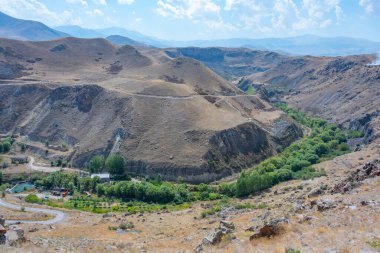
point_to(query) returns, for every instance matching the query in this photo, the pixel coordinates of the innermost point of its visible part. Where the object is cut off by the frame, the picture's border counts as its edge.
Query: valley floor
(342, 223)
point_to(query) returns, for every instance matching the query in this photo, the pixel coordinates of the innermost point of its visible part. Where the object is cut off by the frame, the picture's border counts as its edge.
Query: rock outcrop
(369, 170)
(270, 229)
(216, 236)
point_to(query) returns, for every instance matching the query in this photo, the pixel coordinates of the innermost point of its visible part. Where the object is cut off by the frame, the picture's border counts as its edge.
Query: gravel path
(59, 216)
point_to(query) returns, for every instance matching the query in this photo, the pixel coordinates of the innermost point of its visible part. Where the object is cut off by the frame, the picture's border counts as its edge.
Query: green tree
(1, 177)
(96, 164)
(6, 146)
(115, 164)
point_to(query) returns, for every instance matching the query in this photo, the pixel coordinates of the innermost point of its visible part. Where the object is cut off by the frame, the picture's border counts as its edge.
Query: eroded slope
(173, 117)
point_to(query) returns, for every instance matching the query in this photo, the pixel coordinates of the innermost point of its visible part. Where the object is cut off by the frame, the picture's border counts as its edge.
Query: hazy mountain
(79, 32)
(121, 40)
(20, 29)
(133, 35)
(137, 37)
(300, 45)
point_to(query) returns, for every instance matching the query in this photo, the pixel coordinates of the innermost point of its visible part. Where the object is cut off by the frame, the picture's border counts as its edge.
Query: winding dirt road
(59, 216)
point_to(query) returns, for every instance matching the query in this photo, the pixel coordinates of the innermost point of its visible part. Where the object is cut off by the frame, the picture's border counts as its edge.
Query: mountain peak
(20, 29)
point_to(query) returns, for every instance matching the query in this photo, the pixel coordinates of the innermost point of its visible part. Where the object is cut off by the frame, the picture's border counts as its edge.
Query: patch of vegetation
(115, 164)
(250, 90)
(5, 186)
(32, 198)
(6, 144)
(123, 226)
(292, 251)
(326, 141)
(374, 244)
(97, 164)
(245, 206)
(213, 210)
(351, 134)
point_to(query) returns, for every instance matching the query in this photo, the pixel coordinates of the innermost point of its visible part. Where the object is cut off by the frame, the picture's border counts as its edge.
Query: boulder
(315, 192)
(270, 229)
(109, 215)
(226, 227)
(299, 207)
(15, 235)
(216, 236)
(325, 204)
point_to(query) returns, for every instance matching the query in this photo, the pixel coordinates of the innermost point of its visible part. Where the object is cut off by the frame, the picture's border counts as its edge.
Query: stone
(108, 215)
(315, 192)
(216, 236)
(325, 204)
(226, 226)
(213, 238)
(15, 235)
(298, 207)
(270, 229)
(33, 229)
(369, 170)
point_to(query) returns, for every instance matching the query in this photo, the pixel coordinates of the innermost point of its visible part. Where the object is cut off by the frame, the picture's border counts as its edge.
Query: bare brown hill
(173, 117)
(345, 90)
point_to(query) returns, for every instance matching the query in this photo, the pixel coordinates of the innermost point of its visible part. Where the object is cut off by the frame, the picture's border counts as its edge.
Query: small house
(19, 159)
(104, 177)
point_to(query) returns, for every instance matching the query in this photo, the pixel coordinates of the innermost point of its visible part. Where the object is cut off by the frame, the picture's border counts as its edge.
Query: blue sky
(209, 19)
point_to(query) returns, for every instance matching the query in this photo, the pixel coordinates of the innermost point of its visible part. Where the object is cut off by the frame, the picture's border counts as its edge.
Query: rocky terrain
(319, 215)
(167, 116)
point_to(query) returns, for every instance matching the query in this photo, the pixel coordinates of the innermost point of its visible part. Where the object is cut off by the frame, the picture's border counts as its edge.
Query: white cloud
(205, 12)
(129, 2)
(326, 23)
(35, 10)
(82, 2)
(229, 4)
(191, 9)
(95, 12)
(367, 5)
(101, 2)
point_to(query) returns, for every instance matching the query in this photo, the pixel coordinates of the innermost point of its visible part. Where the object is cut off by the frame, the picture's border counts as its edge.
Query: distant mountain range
(301, 45)
(19, 29)
(121, 40)
(85, 33)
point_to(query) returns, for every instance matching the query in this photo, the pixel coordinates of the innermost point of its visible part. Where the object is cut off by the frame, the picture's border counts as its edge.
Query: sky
(209, 19)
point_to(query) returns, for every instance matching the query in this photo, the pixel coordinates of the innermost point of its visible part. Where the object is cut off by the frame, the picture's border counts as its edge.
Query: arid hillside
(168, 116)
(345, 90)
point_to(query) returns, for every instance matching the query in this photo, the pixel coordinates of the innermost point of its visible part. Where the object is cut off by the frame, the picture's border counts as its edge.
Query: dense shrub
(325, 141)
(96, 164)
(31, 198)
(6, 146)
(115, 164)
